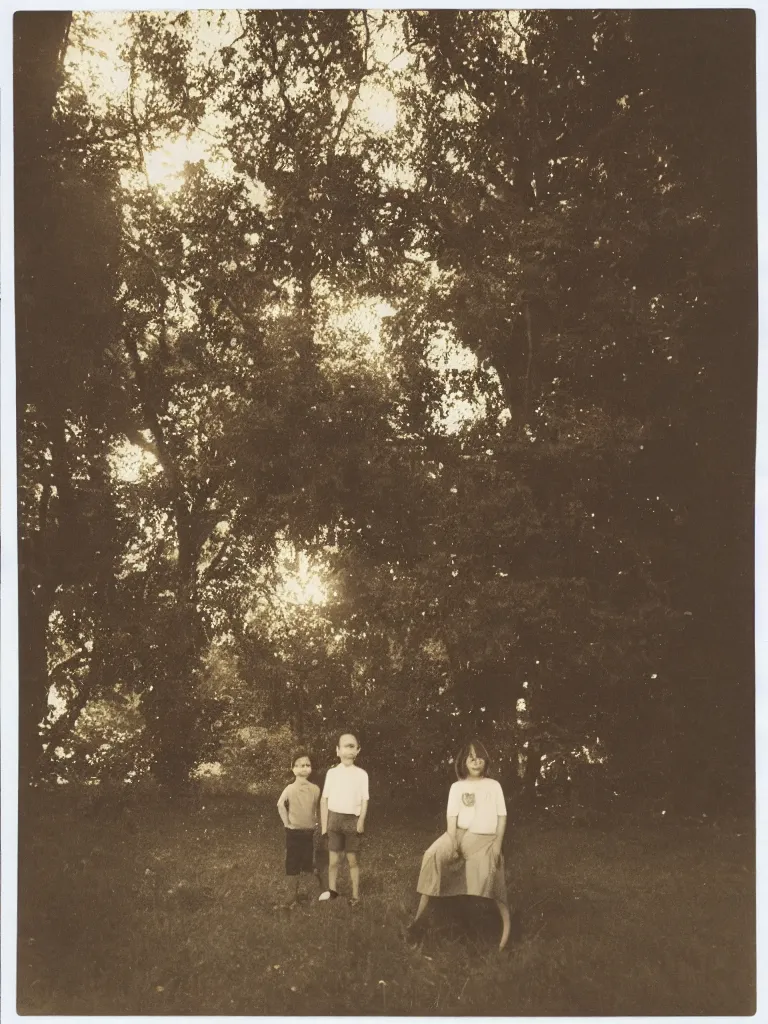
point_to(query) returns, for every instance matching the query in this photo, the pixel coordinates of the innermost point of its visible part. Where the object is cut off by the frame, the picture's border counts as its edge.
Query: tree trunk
(300, 717)
(530, 778)
(39, 44)
(33, 672)
(40, 40)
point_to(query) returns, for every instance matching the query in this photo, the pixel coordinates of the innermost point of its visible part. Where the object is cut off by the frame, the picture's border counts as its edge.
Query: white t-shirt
(346, 786)
(477, 804)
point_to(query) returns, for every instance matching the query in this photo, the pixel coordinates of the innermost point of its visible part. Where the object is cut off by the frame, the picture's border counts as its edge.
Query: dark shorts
(299, 850)
(342, 832)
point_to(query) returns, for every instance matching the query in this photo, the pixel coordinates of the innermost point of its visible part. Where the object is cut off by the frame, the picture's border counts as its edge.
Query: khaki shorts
(342, 832)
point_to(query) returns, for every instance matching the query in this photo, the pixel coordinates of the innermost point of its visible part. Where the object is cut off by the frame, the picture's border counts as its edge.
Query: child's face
(475, 764)
(348, 749)
(302, 768)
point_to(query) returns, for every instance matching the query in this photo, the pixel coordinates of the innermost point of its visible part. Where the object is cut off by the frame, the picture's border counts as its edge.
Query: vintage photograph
(386, 400)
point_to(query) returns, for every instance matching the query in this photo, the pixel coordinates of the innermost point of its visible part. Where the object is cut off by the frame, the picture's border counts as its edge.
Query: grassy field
(177, 912)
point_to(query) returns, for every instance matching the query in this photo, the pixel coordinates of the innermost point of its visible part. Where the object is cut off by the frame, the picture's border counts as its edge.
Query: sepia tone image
(386, 395)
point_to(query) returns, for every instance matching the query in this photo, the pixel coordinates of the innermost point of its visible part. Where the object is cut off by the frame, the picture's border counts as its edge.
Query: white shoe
(329, 894)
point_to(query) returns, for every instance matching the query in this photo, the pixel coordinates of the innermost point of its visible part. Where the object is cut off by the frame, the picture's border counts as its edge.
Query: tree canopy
(417, 397)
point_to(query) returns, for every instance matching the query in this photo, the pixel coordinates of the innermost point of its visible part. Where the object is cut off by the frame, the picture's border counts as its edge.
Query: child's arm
(324, 815)
(501, 822)
(452, 816)
(282, 810)
(361, 818)
(451, 822)
(501, 827)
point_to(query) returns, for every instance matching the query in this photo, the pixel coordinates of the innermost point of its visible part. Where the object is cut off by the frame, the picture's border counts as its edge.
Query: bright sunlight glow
(365, 317)
(129, 462)
(379, 107)
(444, 355)
(165, 165)
(301, 582)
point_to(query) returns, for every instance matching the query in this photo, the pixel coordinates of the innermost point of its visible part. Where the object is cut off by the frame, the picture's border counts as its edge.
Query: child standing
(467, 858)
(298, 807)
(343, 808)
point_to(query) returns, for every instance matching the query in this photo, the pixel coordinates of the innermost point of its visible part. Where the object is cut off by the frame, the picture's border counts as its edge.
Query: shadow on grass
(466, 921)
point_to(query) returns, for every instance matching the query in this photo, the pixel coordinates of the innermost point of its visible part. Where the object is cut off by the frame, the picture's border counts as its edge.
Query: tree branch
(516, 30)
(45, 500)
(150, 413)
(134, 119)
(365, 71)
(64, 725)
(153, 560)
(66, 722)
(79, 655)
(210, 570)
(136, 437)
(529, 361)
(277, 73)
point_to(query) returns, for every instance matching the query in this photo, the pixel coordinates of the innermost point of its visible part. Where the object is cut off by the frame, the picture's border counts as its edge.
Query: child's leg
(505, 923)
(321, 862)
(307, 858)
(414, 929)
(292, 888)
(333, 869)
(423, 903)
(354, 874)
(292, 866)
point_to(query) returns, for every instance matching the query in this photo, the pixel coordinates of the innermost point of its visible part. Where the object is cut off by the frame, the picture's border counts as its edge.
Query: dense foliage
(477, 375)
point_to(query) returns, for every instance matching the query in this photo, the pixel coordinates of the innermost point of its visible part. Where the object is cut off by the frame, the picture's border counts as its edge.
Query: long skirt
(473, 873)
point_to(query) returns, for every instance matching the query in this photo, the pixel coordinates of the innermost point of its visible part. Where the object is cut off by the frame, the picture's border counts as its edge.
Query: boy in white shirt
(343, 807)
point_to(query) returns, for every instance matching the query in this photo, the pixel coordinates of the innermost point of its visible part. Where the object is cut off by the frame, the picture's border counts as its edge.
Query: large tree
(533, 211)
(66, 278)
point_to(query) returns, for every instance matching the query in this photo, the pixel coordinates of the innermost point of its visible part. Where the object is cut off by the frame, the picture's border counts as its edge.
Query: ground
(175, 910)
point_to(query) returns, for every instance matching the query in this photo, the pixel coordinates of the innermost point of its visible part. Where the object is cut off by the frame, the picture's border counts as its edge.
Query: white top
(477, 804)
(346, 786)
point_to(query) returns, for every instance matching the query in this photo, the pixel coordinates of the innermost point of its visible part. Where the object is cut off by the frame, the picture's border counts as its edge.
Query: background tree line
(565, 204)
